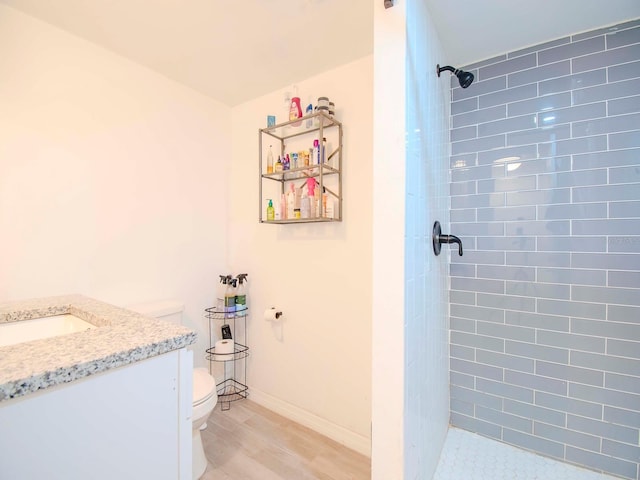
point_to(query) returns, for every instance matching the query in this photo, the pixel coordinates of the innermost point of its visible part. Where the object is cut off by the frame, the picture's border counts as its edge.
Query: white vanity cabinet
(128, 423)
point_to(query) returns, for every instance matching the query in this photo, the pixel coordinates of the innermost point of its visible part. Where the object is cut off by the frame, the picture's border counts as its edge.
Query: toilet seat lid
(204, 385)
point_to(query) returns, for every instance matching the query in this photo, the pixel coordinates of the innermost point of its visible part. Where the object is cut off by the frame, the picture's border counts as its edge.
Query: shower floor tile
(470, 456)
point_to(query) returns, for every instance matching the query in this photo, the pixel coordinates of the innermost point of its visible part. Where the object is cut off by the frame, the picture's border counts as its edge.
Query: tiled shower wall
(426, 276)
(545, 302)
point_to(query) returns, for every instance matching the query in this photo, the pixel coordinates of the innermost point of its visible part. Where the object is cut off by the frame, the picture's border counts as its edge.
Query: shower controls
(438, 239)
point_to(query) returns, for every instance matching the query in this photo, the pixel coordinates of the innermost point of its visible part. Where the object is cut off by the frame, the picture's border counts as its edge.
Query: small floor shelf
(229, 369)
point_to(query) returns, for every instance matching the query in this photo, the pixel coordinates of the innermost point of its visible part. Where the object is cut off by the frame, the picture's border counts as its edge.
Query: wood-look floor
(250, 442)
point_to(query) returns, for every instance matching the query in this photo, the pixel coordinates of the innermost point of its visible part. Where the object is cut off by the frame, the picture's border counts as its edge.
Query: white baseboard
(352, 440)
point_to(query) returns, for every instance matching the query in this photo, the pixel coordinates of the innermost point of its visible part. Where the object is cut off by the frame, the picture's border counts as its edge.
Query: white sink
(27, 330)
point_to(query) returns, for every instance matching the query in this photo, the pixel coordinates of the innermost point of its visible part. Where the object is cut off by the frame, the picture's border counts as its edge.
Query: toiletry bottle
(230, 298)
(318, 202)
(295, 111)
(222, 288)
(316, 153)
(287, 107)
(324, 150)
(304, 206)
(309, 111)
(311, 187)
(278, 167)
(271, 214)
(283, 207)
(241, 295)
(286, 162)
(291, 200)
(270, 161)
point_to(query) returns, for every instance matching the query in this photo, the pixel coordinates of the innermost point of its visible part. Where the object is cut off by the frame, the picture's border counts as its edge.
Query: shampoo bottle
(316, 153)
(295, 111)
(241, 295)
(230, 298)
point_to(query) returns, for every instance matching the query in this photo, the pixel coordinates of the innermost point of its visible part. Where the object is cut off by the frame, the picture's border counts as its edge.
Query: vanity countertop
(122, 337)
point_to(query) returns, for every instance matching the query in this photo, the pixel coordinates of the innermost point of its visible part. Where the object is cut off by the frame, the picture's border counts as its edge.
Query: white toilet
(205, 396)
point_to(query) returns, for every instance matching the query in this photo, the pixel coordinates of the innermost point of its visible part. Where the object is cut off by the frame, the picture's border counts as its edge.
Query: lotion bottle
(296, 110)
(271, 213)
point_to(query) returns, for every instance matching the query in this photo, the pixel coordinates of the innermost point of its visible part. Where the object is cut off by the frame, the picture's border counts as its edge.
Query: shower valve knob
(438, 239)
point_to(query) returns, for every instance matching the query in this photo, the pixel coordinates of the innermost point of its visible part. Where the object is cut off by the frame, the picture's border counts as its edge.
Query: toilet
(205, 396)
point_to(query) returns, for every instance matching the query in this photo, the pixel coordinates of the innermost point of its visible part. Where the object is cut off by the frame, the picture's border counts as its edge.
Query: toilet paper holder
(438, 239)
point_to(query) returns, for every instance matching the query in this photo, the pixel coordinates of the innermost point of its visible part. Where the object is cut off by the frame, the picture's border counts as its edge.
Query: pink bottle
(295, 111)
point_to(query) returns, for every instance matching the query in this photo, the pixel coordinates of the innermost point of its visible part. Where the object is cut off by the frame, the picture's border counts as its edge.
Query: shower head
(465, 78)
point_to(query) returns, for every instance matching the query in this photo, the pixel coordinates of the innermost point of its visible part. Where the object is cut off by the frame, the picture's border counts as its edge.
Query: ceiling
(235, 51)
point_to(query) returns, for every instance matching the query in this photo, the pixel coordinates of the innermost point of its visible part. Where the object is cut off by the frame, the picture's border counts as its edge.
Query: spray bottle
(230, 298)
(222, 288)
(241, 295)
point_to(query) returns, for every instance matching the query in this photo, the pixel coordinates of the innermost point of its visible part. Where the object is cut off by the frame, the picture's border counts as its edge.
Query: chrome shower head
(465, 78)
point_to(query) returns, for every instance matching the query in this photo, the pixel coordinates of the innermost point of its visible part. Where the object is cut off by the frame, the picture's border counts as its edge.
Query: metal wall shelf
(328, 177)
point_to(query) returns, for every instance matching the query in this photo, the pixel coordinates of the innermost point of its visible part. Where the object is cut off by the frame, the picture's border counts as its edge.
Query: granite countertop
(122, 337)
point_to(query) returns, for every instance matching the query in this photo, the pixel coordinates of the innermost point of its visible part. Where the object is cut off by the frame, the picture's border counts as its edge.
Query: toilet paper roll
(272, 314)
(224, 350)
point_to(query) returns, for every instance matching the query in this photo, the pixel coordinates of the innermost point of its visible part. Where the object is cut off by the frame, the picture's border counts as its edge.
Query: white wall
(389, 170)
(112, 178)
(315, 365)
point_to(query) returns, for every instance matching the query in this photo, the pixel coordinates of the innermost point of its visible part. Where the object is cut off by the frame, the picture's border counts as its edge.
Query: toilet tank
(168, 310)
